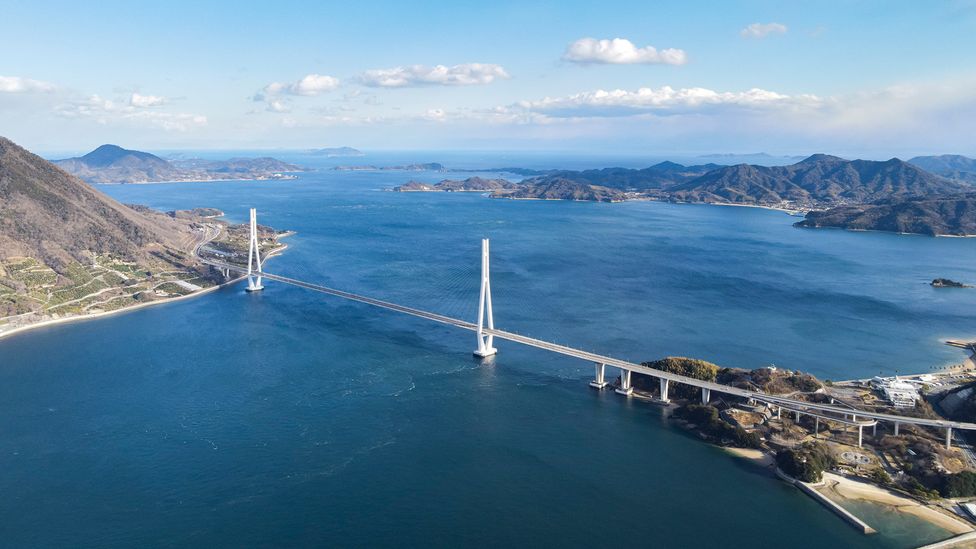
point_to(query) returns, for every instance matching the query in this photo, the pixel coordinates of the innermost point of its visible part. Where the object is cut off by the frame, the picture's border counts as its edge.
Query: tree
(959, 485)
(689, 367)
(807, 462)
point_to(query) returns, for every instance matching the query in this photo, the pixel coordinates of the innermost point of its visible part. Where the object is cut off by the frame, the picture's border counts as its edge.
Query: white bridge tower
(254, 256)
(485, 342)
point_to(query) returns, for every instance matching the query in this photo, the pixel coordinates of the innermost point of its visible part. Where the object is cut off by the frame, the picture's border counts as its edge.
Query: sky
(853, 78)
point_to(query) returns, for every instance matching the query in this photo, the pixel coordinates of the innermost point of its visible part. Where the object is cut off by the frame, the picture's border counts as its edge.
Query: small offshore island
(909, 470)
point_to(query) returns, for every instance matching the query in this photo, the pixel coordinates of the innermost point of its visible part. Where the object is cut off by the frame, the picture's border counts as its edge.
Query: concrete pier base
(706, 395)
(598, 381)
(486, 352)
(664, 390)
(625, 388)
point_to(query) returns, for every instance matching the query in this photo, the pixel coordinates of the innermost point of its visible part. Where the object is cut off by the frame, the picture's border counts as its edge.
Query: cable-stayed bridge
(486, 333)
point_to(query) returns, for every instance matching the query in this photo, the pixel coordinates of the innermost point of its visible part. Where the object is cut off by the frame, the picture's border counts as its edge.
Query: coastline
(840, 489)
(93, 316)
(104, 314)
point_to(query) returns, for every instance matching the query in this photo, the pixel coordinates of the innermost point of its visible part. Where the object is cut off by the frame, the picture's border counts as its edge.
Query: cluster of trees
(690, 367)
(959, 485)
(706, 419)
(806, 462)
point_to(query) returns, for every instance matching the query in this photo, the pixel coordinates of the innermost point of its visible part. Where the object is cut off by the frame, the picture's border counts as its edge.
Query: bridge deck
(870, 417)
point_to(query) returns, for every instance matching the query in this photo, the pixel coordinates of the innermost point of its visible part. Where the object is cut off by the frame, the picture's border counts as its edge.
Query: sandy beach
(840, 489)
(756, 456)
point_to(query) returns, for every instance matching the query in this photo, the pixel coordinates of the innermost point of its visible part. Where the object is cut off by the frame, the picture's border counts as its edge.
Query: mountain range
(953, 166)
(113, 164)
(816, 182)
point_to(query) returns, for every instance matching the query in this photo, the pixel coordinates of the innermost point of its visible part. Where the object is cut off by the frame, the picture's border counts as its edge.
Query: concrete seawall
(811, 491)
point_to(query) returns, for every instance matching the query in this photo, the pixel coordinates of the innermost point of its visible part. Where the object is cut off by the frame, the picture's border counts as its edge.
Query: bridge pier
(706, 395)
(896, 428)
(254, 256)
(948, 438)
(860, 435)
(779, 412)
(625, 388)
(598, 381)
(485, 348)
(664, 390)
(797, 416)
(816, 426)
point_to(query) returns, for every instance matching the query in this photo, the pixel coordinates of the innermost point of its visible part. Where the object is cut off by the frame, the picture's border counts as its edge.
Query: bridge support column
(598, 381)
(896, 428)
(874, 430)
(706, 395)
(779, 412)
(625, 388)
(860, 433)
(948, 438)
(485, 348)
(797, 414)
(816, 427)
(254, 257)
(664, 390)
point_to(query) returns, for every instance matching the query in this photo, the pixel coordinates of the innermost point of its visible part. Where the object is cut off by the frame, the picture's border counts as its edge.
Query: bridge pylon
(254, 257)
(485, 341)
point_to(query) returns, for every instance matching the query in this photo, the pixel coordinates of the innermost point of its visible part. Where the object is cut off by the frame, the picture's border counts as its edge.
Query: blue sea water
(292, 418)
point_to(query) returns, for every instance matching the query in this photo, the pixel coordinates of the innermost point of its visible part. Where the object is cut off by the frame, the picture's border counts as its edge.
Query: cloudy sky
(873, 79)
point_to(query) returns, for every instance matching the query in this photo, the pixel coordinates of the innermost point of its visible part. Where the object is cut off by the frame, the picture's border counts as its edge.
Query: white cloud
(16, 84)
(465, 74)
(762, 30)
(106, 111)
(142, 101)
(621, 51)
(310, 85)
(662, 100)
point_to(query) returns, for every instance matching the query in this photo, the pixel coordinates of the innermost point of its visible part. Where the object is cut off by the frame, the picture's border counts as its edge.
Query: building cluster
(899, 392)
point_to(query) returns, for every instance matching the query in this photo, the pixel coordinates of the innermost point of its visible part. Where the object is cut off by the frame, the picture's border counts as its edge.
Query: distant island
(67, 251)
(817, 182)
(891, 195)
(111, 164)
(424, 167)
(336, 152)
(471, 184)
(953, 215)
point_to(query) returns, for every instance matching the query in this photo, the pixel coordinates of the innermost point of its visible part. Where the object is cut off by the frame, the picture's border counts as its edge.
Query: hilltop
(815, 182)
(114, 164)
(952, 166)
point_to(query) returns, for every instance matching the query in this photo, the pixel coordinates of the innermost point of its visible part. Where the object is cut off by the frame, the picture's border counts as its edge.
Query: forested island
(891, 195)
